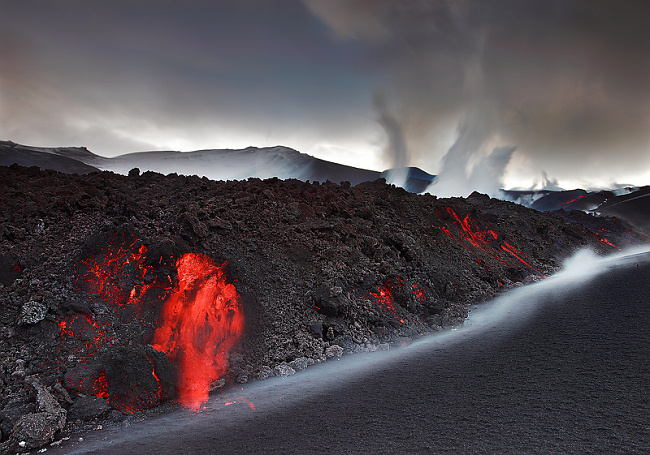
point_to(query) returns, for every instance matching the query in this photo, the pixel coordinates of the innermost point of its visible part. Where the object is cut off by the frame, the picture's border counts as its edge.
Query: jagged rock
(32, 312)
(165, 373)
(218, 384)
(9, 268)
(62, 393)
(131, 383)
(34, 430)
(242, 377)
(88, 408)
(333, 351)
(316, 329)
(329, 301)
(88, 379)
(299, 364)
(283, 369)
(264, 372)
(12, 412)
(46, 402)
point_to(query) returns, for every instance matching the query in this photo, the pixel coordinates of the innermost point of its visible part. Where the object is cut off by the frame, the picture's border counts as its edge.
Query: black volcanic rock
(88, 408)
(322, 269)
(131, 380)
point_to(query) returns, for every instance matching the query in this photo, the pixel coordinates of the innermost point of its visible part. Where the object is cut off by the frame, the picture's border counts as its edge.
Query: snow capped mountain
(216, 164)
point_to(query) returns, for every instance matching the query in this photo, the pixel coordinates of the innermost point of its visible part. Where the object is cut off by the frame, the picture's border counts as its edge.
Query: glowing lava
(201, 321)
(117, 273)
(91, 334)
(477, 234)
(385, 300)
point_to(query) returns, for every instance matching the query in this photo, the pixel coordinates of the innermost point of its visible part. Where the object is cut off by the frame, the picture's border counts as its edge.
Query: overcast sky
(562, 86)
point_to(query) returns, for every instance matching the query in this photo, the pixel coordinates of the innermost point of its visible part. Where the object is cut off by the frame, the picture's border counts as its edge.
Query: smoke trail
(395, 152)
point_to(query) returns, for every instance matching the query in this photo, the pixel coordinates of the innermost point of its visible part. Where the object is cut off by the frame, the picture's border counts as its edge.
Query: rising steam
(396, 152)
(468, 167)
(566, 83)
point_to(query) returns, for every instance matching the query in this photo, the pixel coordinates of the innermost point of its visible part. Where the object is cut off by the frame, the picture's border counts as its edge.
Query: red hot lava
(202, 321)
(119, 275)
(476, 233)
(384, 298)
(90, 333)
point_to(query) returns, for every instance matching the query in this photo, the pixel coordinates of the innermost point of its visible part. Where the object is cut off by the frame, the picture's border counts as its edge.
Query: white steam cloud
(468, 167)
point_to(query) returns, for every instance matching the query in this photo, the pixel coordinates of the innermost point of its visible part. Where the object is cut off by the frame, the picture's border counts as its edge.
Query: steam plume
(468, 167)
(566, 82)
(395, 153)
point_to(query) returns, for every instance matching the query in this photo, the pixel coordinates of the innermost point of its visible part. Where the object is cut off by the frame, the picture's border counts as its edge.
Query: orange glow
(477, 234)
(607, 242)
(385, 300)
(515, 252)
(121, 261)
(201, 321)
(83, 327)
(419, 293)
(100, 386)
(573, 200)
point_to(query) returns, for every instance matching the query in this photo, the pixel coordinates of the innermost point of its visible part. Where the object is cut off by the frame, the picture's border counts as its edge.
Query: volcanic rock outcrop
(93, 267)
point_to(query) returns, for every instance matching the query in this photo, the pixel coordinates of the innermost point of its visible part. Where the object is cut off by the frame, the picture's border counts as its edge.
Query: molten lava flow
(419, 293)
(100, 387)
(515, 252)
(478, 235)
(385, 299)
(202, 321)
(573, 200)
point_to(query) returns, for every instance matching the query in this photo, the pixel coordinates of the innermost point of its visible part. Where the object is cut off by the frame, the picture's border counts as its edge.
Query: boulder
(32, 312)
(283, 369)
(334, 351)
(132, 385)
(86, 379)
(88, 408)
(34, 430)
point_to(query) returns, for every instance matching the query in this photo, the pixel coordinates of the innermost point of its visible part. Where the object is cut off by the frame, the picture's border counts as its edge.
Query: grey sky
(566, 82)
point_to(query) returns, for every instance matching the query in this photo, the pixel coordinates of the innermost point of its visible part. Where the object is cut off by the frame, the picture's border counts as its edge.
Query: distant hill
(631, 204)
(64, 160)
(215, 164)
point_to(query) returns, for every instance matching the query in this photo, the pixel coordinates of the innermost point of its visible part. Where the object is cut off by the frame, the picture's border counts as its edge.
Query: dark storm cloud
(565, 81)
(191, 67)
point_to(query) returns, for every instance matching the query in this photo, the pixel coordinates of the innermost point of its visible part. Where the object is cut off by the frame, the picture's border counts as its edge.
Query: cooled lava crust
(303, 272)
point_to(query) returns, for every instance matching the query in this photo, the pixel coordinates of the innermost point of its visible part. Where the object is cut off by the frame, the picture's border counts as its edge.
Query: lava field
(120, 293)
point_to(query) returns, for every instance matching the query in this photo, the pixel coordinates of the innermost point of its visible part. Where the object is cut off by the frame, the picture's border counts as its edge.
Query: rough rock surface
(35, 429)
(321, 270)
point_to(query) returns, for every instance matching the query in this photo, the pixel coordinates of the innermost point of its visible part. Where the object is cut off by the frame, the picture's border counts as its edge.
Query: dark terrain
(567, 374)
(87, 262)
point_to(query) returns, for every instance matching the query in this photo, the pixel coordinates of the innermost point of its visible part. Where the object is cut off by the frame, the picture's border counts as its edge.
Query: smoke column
(395, 151)
(565, 82)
